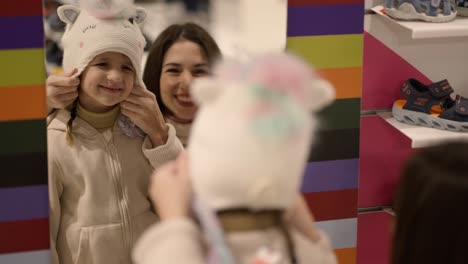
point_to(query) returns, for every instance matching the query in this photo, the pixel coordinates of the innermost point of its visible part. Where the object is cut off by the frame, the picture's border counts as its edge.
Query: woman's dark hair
(188, 31)
(432, 207)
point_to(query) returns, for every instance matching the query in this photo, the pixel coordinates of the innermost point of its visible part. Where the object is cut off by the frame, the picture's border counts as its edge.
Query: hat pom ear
(140, 16)
(205, 90)
(322, 94)
(68, 13)
(106, 9)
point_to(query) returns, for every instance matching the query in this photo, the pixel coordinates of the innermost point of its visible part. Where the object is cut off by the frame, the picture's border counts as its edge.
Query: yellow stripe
(22, 67)
(336, 51)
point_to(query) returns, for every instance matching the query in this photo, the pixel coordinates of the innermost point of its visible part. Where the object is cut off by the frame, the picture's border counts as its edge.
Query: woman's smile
(184, 100)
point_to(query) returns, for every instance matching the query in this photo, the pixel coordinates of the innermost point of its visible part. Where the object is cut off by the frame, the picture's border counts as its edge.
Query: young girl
(99, 159)
(247, 171)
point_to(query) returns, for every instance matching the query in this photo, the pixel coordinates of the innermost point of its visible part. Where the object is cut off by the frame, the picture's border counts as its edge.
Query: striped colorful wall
(24, 236)
(329, 35)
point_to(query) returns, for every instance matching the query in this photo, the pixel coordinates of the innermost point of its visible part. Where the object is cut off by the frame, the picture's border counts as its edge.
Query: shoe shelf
(424, 30)
(422, 136)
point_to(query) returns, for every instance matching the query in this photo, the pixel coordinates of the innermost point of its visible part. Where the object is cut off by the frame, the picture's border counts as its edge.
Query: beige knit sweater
(182, 130)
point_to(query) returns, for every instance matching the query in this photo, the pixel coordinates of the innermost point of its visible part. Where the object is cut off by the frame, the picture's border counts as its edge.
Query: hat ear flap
(140, 15)
(323, 94)
(68, 13)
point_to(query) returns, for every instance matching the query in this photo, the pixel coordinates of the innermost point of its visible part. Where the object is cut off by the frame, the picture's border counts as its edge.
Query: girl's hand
(171, 189)
(142, 108)
(299, 217)
(61, 90)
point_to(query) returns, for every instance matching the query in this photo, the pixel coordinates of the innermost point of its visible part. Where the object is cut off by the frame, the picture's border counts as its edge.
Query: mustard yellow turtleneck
(100, 121)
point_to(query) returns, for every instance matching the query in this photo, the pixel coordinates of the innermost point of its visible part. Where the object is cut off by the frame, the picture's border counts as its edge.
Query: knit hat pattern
(102, 27)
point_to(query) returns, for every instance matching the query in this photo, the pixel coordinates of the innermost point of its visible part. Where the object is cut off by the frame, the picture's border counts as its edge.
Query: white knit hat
(102, 26)
(253, 131)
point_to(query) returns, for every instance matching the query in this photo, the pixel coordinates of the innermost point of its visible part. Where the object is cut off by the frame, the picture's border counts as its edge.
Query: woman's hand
(61, 90)
(171, 189)
(142, 108)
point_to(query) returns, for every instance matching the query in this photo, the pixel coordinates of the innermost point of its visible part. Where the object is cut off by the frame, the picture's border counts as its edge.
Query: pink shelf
(374, 237)
(383, 150)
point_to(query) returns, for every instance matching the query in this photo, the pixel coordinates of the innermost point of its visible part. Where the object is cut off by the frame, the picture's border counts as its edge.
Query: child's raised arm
(298, 215)
(142, 108)
(176, 239)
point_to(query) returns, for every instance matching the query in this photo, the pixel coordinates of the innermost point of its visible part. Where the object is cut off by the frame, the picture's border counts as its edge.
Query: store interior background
(241, 28)
(351, 176)
(326, 33)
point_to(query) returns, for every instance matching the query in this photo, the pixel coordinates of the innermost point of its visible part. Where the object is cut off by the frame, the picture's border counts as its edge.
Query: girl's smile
(106, 82)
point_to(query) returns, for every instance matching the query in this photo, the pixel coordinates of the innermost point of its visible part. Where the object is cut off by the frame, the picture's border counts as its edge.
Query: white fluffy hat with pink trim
(253, 131)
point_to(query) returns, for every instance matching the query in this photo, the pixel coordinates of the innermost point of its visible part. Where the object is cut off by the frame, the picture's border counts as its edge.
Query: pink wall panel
(383, 150)
(374, 238)
(382, 81)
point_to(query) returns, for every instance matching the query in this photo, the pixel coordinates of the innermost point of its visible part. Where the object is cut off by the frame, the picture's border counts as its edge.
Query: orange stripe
(22, 102)
(347, 81)
(346, 255)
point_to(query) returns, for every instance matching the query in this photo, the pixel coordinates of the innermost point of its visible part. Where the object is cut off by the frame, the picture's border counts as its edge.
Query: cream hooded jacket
(98, 191)
(180, 241)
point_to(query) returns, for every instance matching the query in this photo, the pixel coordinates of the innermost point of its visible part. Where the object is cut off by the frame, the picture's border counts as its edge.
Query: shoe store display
(436, 11)
(431, 106)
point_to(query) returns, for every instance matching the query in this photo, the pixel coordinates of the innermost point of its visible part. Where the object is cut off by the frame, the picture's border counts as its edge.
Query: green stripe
(22, 67)
(324, 52)
(23, 137)
(342, 114)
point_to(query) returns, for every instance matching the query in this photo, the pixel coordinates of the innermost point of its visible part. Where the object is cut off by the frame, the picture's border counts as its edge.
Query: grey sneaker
(427, 10)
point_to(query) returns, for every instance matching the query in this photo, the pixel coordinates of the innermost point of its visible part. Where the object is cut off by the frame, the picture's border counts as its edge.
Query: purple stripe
(325, 20)
(21, 32)
(332, 175)
(24, 203)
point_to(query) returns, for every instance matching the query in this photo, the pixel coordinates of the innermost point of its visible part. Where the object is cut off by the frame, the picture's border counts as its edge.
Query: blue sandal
(431, 106)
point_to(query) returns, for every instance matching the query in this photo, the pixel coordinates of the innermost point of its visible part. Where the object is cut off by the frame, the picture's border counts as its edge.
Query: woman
(179, 54)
